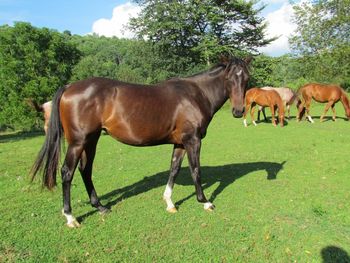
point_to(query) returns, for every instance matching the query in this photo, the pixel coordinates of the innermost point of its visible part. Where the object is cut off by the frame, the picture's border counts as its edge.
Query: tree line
(174, 38)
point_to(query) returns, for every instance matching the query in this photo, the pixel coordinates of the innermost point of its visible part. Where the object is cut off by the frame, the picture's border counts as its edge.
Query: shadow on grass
(224, 175)
(332, 254)
(17, 136)
(325, 118)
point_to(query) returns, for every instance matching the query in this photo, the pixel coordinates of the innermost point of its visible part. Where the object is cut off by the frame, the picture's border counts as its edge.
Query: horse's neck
(213, 89)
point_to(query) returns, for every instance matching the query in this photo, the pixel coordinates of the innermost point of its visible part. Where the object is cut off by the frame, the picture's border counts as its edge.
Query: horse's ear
(247, 60)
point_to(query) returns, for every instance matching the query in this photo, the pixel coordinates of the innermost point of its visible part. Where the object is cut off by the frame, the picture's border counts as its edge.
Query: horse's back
(263, 97)
(285, 93)
(321, 92)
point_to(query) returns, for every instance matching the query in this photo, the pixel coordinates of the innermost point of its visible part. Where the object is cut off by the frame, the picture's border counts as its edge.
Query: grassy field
(281, 195)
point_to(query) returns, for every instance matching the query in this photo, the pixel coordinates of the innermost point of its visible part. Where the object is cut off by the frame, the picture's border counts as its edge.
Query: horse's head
(236, 79)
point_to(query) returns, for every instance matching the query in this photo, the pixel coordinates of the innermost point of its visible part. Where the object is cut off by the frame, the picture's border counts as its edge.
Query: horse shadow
(210, 175)
(332, 254)
(325, 118)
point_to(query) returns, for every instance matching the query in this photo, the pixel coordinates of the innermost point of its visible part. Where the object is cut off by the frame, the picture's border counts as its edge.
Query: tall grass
(281, 195)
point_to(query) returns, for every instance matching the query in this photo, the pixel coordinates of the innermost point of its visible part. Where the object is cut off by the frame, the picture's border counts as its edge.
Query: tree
(33, 64)
(188, 32)
(323, 39)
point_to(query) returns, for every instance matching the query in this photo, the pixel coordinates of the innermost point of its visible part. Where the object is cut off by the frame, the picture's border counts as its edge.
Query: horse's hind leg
(307, 109)
(328, 105)
(85, 169)
(333, 109)
(70, 163)
(176, 160)
(260, 109)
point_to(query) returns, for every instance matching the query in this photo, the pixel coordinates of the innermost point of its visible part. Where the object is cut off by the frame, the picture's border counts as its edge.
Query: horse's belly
(139, 135)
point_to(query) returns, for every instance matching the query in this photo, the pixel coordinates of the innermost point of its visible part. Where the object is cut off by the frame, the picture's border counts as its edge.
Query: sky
(107, 17)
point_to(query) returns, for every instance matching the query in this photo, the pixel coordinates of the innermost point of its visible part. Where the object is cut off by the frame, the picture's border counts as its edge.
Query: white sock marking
(208, 205)
(310, 119)
(167, 197)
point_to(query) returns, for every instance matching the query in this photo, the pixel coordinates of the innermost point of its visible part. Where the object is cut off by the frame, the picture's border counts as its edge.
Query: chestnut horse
(177, 111)
(323, 93)
(45, 108)
(264, 98)
(288, 97)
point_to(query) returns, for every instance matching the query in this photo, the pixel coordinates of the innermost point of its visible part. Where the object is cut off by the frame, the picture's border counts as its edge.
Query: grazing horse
(45, 108)
(288, 97)
(177, 111)
(264, 98)
(323, 93)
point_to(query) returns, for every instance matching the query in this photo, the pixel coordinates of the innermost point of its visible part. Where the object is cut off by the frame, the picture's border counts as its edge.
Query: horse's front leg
(252, 110)
(272, 108)
(67, 172)
(176, 160)
(246, 109)
(328, 105)
(193, 147)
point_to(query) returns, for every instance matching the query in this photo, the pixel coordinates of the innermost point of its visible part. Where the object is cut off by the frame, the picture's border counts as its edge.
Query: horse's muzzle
(237, 113)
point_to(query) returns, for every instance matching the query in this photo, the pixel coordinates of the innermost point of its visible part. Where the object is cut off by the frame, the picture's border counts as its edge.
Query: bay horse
(176, 111)
(45, 108)
(323, 93)
(288, 97)
(264, 98)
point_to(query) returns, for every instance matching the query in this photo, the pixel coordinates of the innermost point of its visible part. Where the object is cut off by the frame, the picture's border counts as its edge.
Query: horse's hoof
(73, 224)
(103, 210)
(172, 210)
(209, 207)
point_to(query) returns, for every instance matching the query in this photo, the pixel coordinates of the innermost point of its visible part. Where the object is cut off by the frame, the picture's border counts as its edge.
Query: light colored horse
(45, 108)
(288, 97)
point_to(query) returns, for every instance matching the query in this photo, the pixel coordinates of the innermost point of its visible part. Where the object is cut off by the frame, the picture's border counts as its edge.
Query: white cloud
(116, 26)
(279, 24)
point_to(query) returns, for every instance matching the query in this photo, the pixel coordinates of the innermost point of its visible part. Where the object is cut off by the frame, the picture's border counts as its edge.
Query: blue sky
(102, 17)
(76, 16)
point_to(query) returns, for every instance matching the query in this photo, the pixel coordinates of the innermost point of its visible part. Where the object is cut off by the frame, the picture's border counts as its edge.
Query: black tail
(49, 155)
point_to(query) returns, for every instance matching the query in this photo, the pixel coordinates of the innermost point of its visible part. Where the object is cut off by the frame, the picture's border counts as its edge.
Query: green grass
(281, 195)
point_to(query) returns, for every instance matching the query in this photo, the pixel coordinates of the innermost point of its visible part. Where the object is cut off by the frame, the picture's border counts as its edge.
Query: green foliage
(323, 39)
(33, 64)
(303, 215)
(122, 59)
(197, 31)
